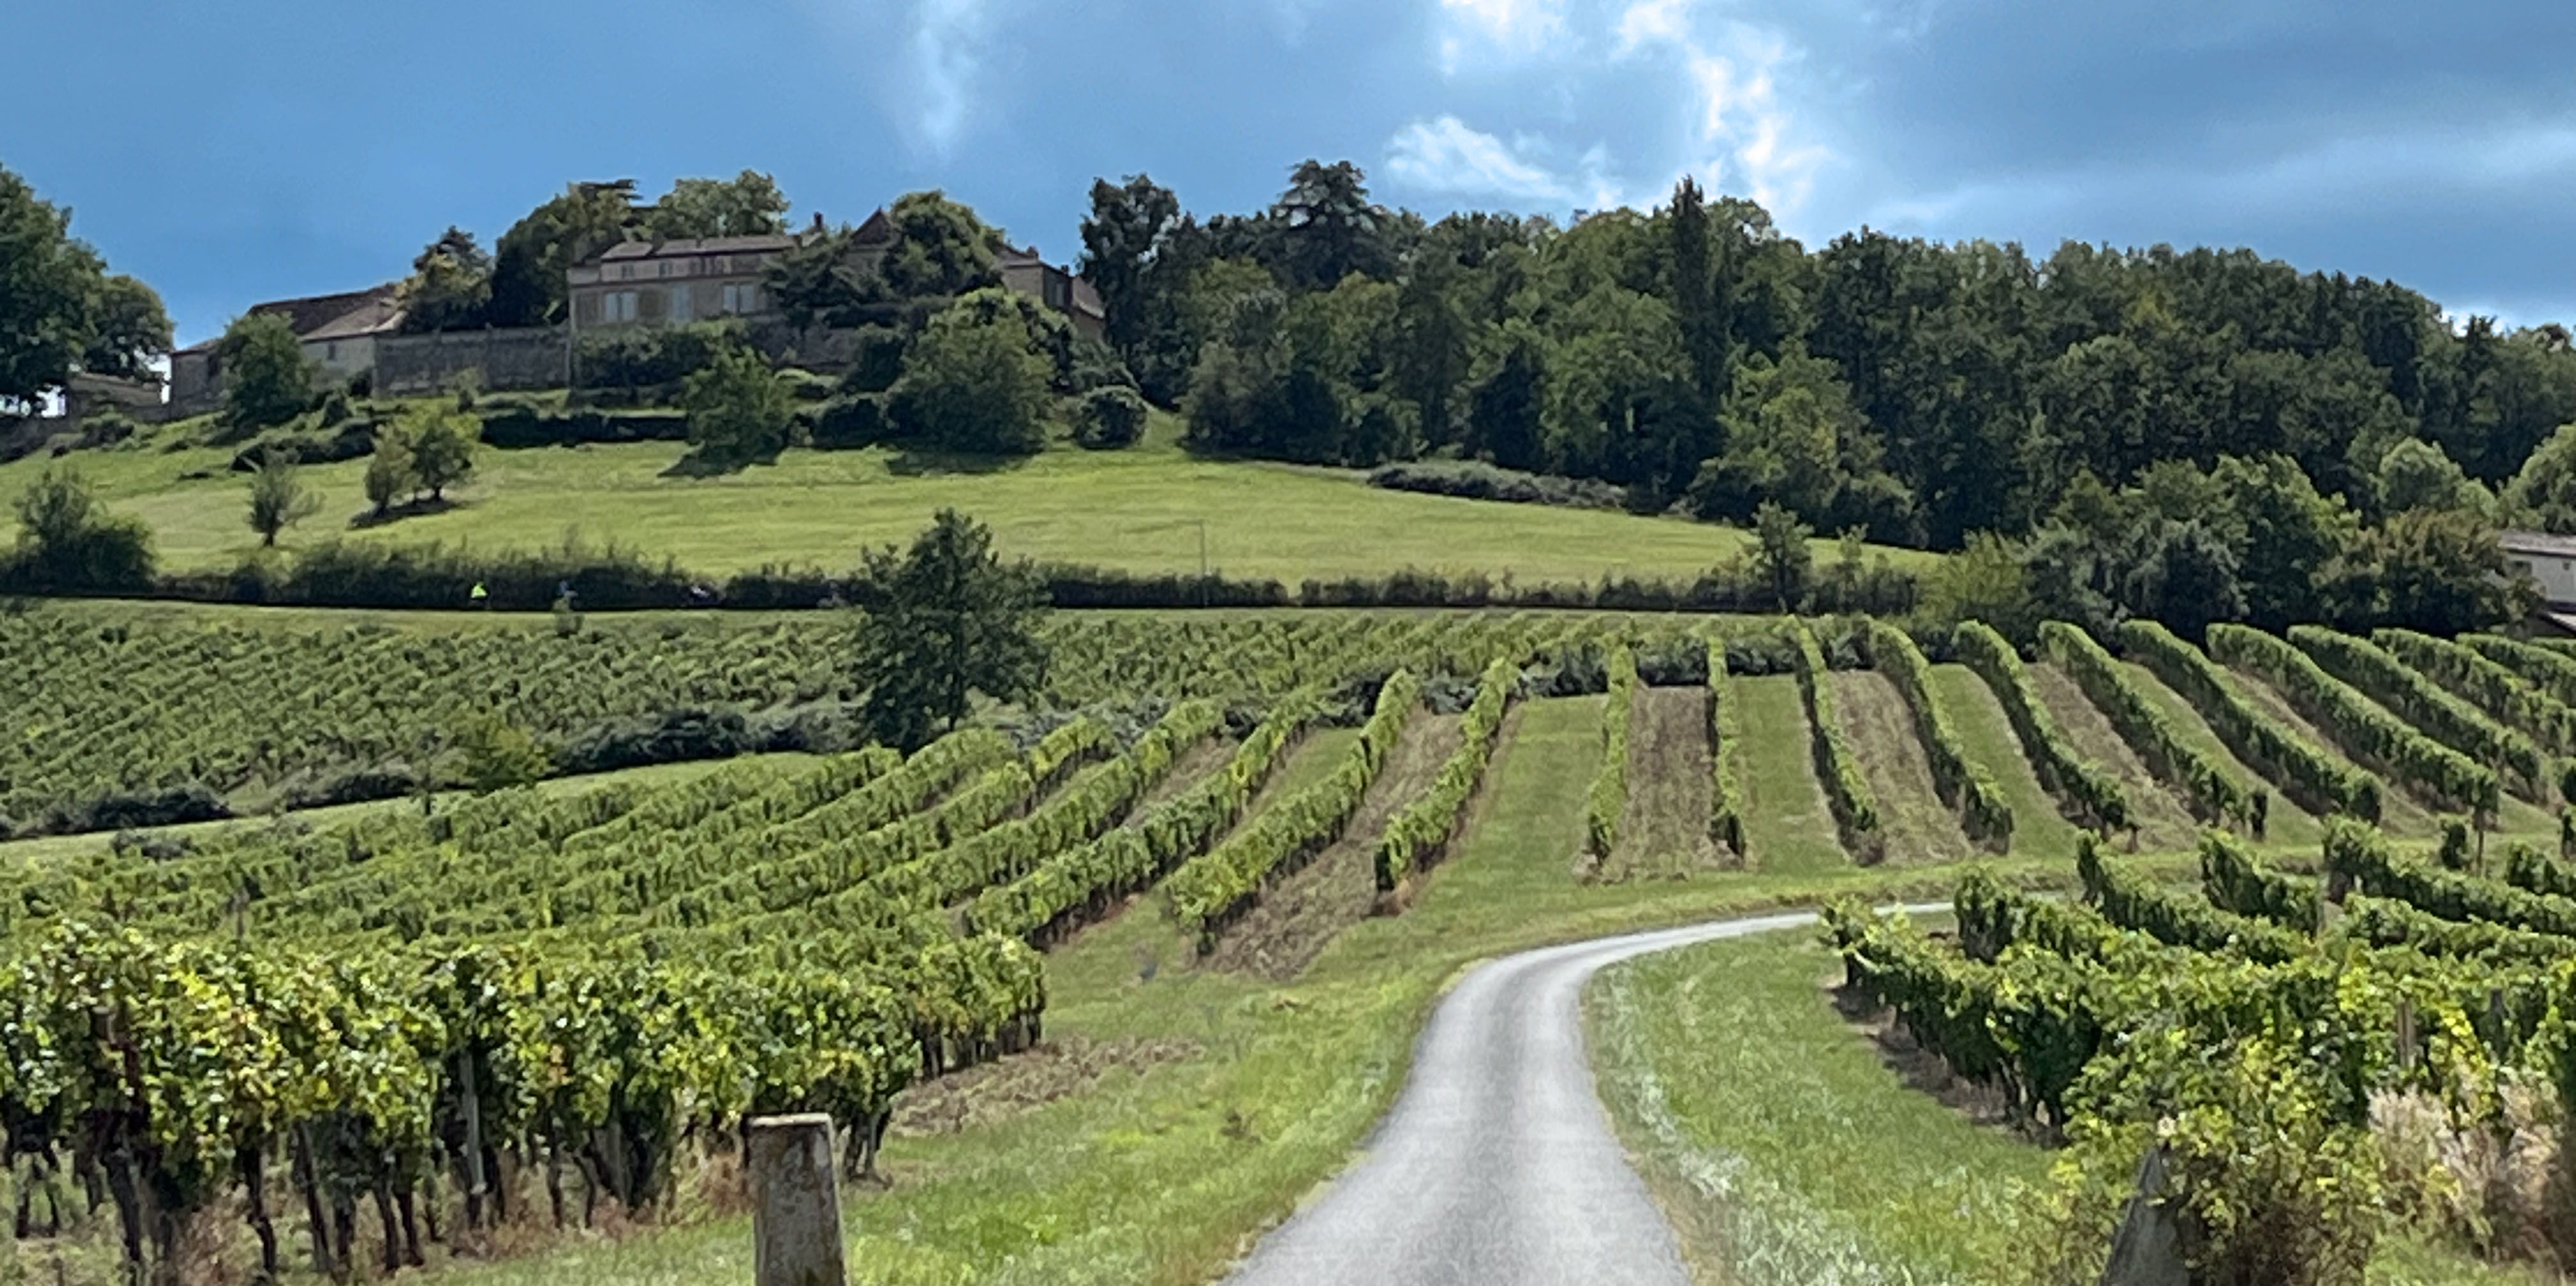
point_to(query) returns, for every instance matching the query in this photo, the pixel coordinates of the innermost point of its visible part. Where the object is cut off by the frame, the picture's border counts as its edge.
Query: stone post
(795, 1203)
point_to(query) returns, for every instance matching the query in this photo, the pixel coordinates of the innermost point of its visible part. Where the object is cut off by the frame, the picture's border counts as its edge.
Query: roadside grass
(1166, 1176)
(1787, 1150)
(2285, 822)
(2038, 827)
(1787, 823)
(1139, 510)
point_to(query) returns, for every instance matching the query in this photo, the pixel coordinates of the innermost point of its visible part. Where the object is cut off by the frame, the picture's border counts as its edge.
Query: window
(741, 298)
(680, 302)
(331, 350)
(617, 306)
(665, 268)
(626, 272)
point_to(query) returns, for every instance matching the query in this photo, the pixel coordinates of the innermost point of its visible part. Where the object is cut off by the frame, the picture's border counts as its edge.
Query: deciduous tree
(278, 498)
(266, 379)
(970, 384)
(943, 623)
(739, 409)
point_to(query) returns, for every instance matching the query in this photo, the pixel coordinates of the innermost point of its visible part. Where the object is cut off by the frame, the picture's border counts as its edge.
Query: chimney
(818, 223)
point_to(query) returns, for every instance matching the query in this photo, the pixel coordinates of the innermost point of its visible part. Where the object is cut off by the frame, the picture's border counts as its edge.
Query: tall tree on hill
(266, 379)
(941, 249)
(450, 287)
(1123, 243)
(1695, 306)
(530, 260)
(1326, 227)
(746, 205)
(945, 622)
(60, 309)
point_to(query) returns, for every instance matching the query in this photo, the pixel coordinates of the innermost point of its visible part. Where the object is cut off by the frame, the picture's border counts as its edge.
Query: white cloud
(1654, 21)
(1499, 31)
(947, 54)
(1447, 156)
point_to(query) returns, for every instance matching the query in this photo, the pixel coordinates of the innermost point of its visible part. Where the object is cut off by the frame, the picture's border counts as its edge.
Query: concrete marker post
(795, 1203)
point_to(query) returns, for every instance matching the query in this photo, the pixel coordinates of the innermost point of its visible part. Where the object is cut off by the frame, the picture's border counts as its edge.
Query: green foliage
(1108, 419)
(1416, 838)
(945, 622)
(441, 444)
(1781, 559)
(739, 409)
(2361, 726)
(499, 755)
(2303, 770)
(1963, 783)
(2134, 902)
(2440, 572)
(2234, 880)
(68, 539)
(747, 205)
(2543, 491)
(2215, 792)
(2359, 857)
(264, 375)
(279, 498)
(1607, 798)
(2486, 684)
(1727, 801)
(60, 310)
(2546, 669)
(528, 286)
(971, 384)
(2409, 694)
(450, 287)
(2416, 474)
(1847, 791)
(648, 358)
(1210, 890)
(389, 476)
(2089, 794)
(941, 250)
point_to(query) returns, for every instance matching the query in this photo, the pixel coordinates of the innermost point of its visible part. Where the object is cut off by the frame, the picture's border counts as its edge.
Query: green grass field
(1138, 510)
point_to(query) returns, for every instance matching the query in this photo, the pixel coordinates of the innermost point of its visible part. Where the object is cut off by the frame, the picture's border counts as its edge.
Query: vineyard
(371, 1037)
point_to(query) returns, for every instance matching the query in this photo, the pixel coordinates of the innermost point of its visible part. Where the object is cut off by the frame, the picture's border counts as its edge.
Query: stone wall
(500, 360)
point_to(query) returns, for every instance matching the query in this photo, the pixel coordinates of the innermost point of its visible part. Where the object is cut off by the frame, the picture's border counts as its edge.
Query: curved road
(1497, 1165)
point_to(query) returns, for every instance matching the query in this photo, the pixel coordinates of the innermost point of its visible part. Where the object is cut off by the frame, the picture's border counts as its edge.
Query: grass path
(1986, 732)
(1787, 823)
(2285, 822)
(1920, 828)
(1664, 830)
(2163, 821)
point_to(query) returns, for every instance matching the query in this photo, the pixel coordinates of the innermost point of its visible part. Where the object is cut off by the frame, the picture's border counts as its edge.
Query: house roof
(2537, 542)
(1086, 299)
(374, 317)
(686, 246)
(877, 230)
(311, 314)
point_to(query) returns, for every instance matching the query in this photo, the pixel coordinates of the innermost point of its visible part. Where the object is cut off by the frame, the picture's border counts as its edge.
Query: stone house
(337, 332)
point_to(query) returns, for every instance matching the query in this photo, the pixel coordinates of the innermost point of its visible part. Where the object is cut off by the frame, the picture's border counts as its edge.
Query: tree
(1503, 412)
(739, 409)
(530, 260)
(1326, 227)
(2440, 572)
(941, 249)
(2543, 494)
(819, 281)
(1988, 581)
(1123, 244)
(2187, 579)
(389, 470)
(442, 450)
(971, 385)
(1782, 560)
(67, 538)
(266, 379)
(278, 498)
(2416, 474)
(450, 287)
(1107, 419)
(747, 205)
(500, 755)
(2289, 536)
(944, 623)
(60, 311)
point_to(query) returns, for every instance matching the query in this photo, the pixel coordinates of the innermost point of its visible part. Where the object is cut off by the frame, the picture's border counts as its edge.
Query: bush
(266, 379)
(654, 357)
(877, 360)
(672, 737)
(739, 409)
(850, 422)
(130, 810)
(806, 386)
(67, 539)
(971, 385)
(1476, 480)
(355, 442)
(1107, 419)
(513, 428)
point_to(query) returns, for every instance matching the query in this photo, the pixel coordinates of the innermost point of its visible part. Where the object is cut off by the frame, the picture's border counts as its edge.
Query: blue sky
(229, 152)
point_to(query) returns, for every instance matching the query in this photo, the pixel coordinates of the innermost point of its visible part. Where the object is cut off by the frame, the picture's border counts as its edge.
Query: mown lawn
(1139, 510)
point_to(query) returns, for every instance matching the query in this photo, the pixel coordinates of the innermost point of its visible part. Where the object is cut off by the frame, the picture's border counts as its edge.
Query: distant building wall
(521, 358)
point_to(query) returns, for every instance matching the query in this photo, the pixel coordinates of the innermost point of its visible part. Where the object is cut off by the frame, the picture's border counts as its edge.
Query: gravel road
(1497, 1165)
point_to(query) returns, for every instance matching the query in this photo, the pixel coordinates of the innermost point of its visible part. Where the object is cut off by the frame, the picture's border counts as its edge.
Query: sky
(230, 152)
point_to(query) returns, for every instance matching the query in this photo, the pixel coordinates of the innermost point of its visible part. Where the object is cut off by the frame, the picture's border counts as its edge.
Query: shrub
(739, 409)
(67, 539)
(850, 422)
(971, 385)
(1107, 419)
(1476, 480)
(652, 357)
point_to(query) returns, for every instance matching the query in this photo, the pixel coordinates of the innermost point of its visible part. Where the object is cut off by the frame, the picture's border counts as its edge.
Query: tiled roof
(1086, 299)
(374, 317)
(685, 246)
(308, 316)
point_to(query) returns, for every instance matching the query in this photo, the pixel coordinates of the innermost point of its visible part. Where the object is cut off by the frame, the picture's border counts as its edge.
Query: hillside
(1138, 510)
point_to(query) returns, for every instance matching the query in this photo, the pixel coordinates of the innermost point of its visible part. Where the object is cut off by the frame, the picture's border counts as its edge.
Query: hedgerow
(2302, 769)
(1847, 792)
